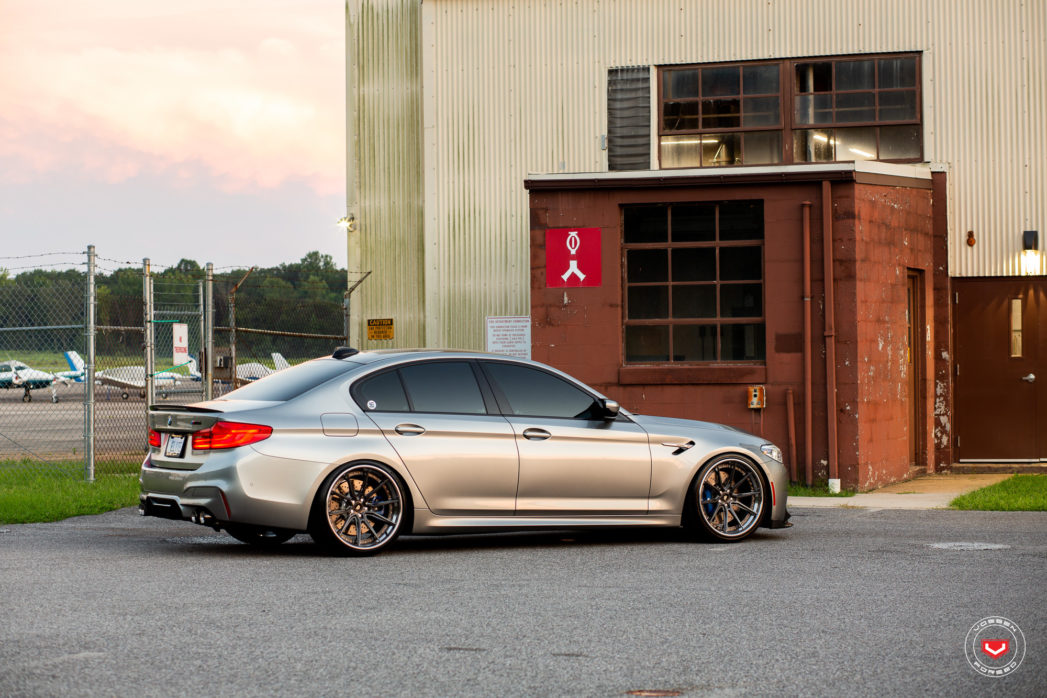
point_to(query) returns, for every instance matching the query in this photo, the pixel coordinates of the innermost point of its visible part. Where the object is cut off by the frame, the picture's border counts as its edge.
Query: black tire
(359, 510)
(258, 536)
(727, 499)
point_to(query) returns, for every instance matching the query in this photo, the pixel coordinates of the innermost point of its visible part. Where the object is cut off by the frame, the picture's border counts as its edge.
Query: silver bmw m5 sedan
(359, 447)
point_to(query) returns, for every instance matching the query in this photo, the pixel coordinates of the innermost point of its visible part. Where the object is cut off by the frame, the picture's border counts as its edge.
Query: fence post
(89, 371)
(207, 365)
(203, 334)
(232, 328)
(346, 308)
(147, 306)
(345, 313)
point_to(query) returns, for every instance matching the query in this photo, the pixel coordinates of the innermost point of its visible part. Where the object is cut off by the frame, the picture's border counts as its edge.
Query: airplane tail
(77, 366)
(75, 362)
(279, 361)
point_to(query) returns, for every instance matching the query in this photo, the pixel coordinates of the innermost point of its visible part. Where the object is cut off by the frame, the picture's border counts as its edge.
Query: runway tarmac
(46, 430)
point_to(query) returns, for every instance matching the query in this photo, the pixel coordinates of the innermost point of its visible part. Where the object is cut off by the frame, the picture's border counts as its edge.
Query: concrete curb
(925, 492)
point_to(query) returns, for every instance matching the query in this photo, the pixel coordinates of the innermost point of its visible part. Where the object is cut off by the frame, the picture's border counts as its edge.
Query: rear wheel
(727, 499)
(359, 510)
(258, 536)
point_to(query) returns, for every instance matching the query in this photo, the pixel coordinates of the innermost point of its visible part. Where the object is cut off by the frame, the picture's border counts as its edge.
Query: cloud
(251, 92)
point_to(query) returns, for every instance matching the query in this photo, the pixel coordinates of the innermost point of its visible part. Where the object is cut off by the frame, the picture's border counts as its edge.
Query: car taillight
(229, 435)
(154, 438)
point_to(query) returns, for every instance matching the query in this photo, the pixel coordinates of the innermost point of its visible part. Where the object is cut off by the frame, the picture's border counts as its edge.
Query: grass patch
(819, 489)
(32, 496)
(1016, 493)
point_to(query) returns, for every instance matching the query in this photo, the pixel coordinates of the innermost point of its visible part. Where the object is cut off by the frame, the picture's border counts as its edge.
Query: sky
(210, 130)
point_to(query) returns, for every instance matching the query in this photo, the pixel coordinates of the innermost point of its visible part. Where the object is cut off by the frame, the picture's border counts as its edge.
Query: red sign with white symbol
(994, 648)
(572, 257)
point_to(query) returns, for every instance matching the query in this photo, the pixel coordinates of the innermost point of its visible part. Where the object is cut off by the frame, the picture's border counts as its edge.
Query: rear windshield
(291, 382)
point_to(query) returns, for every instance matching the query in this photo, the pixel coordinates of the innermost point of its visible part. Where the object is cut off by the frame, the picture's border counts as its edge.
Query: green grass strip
(1016, 493)
(28, 496)
(819, 489)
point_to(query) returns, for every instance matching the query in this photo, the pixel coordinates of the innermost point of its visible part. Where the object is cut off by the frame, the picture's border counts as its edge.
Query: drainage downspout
(808, 410)
(830, 334)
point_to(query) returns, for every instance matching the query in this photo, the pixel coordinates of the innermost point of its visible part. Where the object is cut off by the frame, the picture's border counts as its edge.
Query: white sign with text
(510, 335)
(181, 343)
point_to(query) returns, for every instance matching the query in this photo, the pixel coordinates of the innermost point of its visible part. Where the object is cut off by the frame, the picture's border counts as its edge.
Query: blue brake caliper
(707, 501)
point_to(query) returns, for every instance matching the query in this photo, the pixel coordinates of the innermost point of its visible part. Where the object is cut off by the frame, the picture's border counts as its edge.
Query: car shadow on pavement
(303, 546)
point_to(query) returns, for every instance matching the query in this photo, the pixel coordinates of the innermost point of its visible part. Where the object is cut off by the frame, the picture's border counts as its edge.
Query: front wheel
(727, 499)
(258, 536)
(359, 509)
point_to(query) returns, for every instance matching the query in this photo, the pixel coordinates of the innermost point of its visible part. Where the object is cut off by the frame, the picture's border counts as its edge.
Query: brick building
(726, 159)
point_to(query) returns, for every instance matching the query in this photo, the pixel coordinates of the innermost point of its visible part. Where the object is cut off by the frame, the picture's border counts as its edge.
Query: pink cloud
(252, 92)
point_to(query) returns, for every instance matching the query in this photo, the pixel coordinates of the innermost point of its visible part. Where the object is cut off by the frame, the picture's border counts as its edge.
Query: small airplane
(15, 374)
(253, 370)
(131, 378)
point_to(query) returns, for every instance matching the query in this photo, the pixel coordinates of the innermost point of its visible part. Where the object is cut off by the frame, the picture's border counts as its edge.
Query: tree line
(304, 296)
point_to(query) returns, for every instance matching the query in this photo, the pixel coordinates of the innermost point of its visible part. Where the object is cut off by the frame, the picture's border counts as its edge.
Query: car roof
(380, 358)
(393, 356)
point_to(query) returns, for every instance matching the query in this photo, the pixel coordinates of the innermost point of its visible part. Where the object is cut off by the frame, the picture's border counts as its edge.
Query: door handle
(536, 434)
(409, 429)
(1031, 378)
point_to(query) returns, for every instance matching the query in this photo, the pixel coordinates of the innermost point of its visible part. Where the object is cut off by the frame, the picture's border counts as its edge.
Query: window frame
(788, 125)
(505, 408)
(719, 320)
(490, 405)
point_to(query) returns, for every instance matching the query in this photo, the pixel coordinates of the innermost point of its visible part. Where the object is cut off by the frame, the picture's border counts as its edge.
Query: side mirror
(610, 409)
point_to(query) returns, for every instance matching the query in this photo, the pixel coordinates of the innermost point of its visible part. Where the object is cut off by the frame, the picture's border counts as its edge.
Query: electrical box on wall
(757, 397)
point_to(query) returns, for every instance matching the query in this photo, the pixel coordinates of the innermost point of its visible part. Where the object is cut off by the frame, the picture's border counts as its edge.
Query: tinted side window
(443, 386)
(383, 393)
(535, 393)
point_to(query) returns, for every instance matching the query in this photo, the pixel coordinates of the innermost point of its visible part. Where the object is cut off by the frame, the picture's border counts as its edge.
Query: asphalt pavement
(847, 602)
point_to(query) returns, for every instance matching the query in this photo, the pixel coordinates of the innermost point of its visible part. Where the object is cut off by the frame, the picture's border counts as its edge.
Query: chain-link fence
(42, 322)
(141, 338)
(265, 323)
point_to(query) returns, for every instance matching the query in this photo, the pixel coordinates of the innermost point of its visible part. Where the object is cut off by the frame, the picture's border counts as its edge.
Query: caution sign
(381, 328)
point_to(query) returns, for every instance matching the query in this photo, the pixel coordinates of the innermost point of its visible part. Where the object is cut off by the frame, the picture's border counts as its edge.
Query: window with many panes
(694, 282)
(791, 111)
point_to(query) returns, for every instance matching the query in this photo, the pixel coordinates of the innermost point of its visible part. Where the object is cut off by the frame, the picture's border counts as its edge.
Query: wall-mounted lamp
(1030, 252)
(347, 222)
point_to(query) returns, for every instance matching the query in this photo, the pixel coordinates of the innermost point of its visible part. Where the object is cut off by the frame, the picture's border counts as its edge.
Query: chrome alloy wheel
(730, 497)
(364, 507)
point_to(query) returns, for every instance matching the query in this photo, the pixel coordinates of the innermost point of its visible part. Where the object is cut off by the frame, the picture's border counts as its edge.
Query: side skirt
(427, 522)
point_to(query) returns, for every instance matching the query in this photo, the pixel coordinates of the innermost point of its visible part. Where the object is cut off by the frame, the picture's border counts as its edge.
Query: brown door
(915, 352)
(1001, 369)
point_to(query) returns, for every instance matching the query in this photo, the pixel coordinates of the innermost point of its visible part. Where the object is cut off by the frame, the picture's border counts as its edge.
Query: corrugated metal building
(453, 105)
